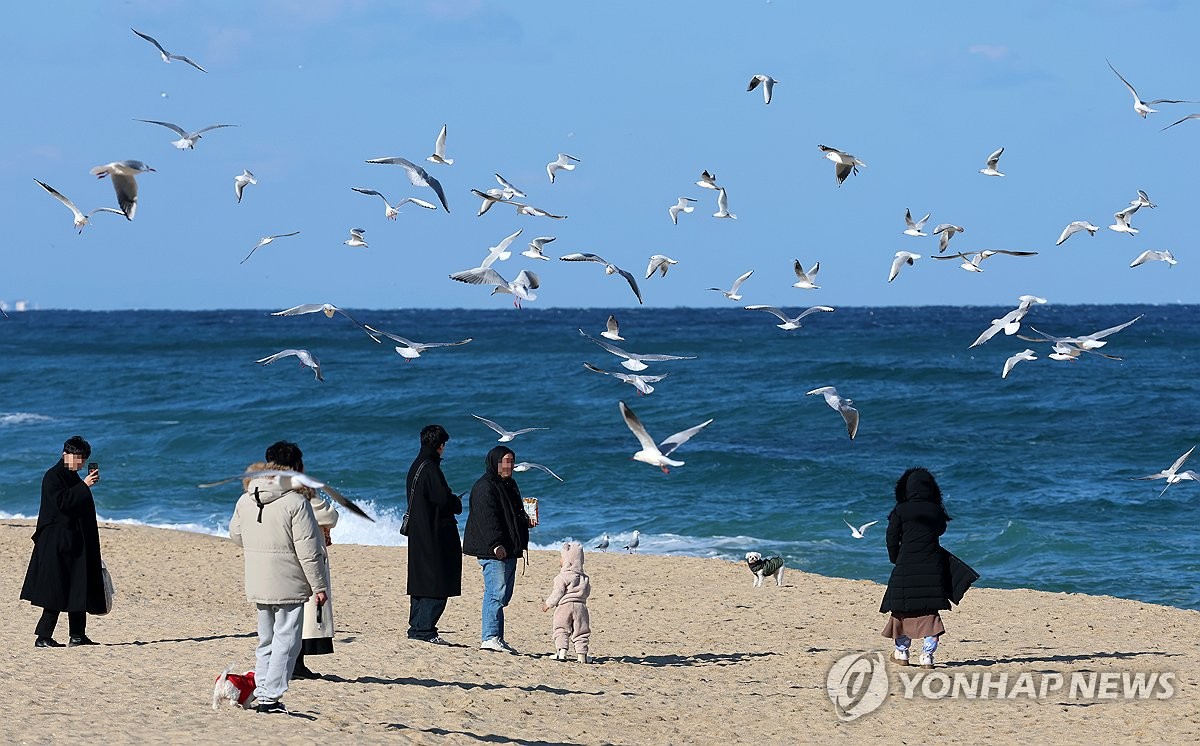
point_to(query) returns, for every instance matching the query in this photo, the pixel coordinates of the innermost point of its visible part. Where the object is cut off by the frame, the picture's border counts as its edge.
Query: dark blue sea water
(1036, 469)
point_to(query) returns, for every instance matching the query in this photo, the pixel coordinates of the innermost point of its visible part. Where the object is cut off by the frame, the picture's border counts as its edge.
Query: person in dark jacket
(64, 569)
(497, 533)
(434, 551)
(917, 589)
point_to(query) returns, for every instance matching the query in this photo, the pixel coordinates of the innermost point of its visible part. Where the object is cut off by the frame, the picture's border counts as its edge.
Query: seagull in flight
(506, 435)
(391, 211)
(639, 382)
(992, 161)
(660, 263)
(500, 251)
(124, 182)
(167, 56)
(1074, 227)
(914, 228)
(80, 219)
(768, 84)
(565, 163)
(439, 150)
(527, 465)
(326, 308)
(732, 292)
(947, 232)
(1147, 256)
(490, 197)
(972, 259)
(1087, 342)
(536, 246)
(1122, 225)
(521, 288)
(240, 182)
(633, 543)
(1142, 200)
(723, 205)
(609, 268)
(1180, 121)
(632, 360)
(682, 205)
(861, 531)
(1025, 354)
(656, 455)
(509, 190)
(841, 405)
(902, 258)
(299, 478)
(707, 180)
(356, 238)
(1143, 107)
(844, 164)
(806, 280)
(266, 240)
(307, 360)
(417, 176)
(789, 324)
(612, 330)
(1010, 322)
(537, 212)
(1173, 475)
(187, 140)
(412, 350)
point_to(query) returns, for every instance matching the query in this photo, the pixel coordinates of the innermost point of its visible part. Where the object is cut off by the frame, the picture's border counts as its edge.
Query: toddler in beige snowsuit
(572, 625)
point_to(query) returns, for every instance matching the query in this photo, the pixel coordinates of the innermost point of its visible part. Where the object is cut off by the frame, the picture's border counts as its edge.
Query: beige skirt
(913, 625)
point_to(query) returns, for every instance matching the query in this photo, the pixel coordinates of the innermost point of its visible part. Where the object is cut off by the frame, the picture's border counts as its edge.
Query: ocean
(1037, 469)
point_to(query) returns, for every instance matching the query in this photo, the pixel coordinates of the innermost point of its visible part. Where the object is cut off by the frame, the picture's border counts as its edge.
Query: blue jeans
(498, 578)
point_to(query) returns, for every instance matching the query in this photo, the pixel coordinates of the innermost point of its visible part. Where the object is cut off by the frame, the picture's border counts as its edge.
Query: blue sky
(647, 95)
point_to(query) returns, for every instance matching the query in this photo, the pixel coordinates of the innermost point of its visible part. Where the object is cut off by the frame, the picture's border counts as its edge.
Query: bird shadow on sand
(490, 738)
(466, 685)
(208, 638)
(700, 659)
(1118, 655)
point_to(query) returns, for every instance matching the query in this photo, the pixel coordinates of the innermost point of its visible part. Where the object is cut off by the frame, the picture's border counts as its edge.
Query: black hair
(918, 483)
(433, 436)
(287, 454)
(77, 446)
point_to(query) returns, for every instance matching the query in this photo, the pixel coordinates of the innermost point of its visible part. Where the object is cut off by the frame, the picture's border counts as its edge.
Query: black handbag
(404, 520)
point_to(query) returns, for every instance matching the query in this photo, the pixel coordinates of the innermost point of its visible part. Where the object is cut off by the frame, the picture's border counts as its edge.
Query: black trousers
(76, 623)
(423, 616)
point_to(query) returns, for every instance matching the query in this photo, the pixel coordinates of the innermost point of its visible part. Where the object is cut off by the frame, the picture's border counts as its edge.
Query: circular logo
(857, 684)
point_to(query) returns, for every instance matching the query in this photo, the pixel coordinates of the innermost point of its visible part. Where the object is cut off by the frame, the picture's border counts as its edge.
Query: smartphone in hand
(94, 467)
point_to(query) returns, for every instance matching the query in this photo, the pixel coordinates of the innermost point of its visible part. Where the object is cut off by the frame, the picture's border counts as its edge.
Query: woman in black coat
(918, 587)
(64, 570)
(434, 552)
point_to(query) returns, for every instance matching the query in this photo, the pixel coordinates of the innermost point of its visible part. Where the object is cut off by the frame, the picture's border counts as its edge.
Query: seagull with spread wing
(609, 269)
(946, 231)
(732, 293)
(657, 455)
(1074, 227)
(806, 280)
(659, 263)
(768, 86)
(992, 162)
(789, 324)
(527, 465)
(564, 162)
(187, 140)
(306, 358)
(439, 150)
(124, 181)
(914, 226)
(632, 360)
(521, 288)
(1009, 323)
(80, 219)
(1142, 108)
(286, 477)
(266, 240)
(844, 164)
(417, 176)
(683, 204)
(506, 435)
(639, 382)
(841, 405)
(972, 259)
(241, 181)
(1173, 475)
(326, 308)
(167, 56)
(412, 350)
(391, 211)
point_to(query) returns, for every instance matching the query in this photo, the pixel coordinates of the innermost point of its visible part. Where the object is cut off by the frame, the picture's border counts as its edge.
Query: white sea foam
(22, 418)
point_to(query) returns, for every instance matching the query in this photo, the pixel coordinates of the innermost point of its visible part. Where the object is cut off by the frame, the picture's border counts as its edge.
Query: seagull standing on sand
(266, 240)
(806, 280)
(187, 140)
(240, 182)
(992, 161)
(1074, 227)
(612, 330)
(609, 269)
(732, 292)
(682, 205)
(506, 435)
(768, 84)
(842, 406)
(124, 182)
(307, 360)
(390, 211)
(633, 543)
(536, 246)
(1143, 107)
(417, 176)
(356, 238)
(723, 206)
(602, 545)
(656, 455)
(521, 288)
(563, 163)
(789, 324)
(167, 56)
(914, 228)
(1023, 355)
(902, 258)
(660, 263)
(861, 531)
(439, 150)
(947, 232)
(632, 360)
(80, 219)
(1148, 256)
(844, 164)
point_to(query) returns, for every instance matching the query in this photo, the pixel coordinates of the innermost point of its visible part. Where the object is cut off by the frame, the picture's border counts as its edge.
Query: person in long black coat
(434, 551)
(64, 569)
(920, 585)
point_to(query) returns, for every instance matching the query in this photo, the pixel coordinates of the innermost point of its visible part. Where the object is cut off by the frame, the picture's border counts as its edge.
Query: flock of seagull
(123, 176)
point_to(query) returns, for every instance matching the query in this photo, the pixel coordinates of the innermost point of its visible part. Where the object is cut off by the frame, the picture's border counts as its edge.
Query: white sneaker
(560, 654)
(926, 660)
(583, 658)
(493, 644)
(900, 657)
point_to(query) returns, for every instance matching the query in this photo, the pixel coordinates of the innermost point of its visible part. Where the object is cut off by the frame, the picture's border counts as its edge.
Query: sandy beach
(686, 651)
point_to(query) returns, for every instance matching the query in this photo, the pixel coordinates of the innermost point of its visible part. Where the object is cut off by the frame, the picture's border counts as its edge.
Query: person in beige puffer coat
(284, 552)
(572, 623)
